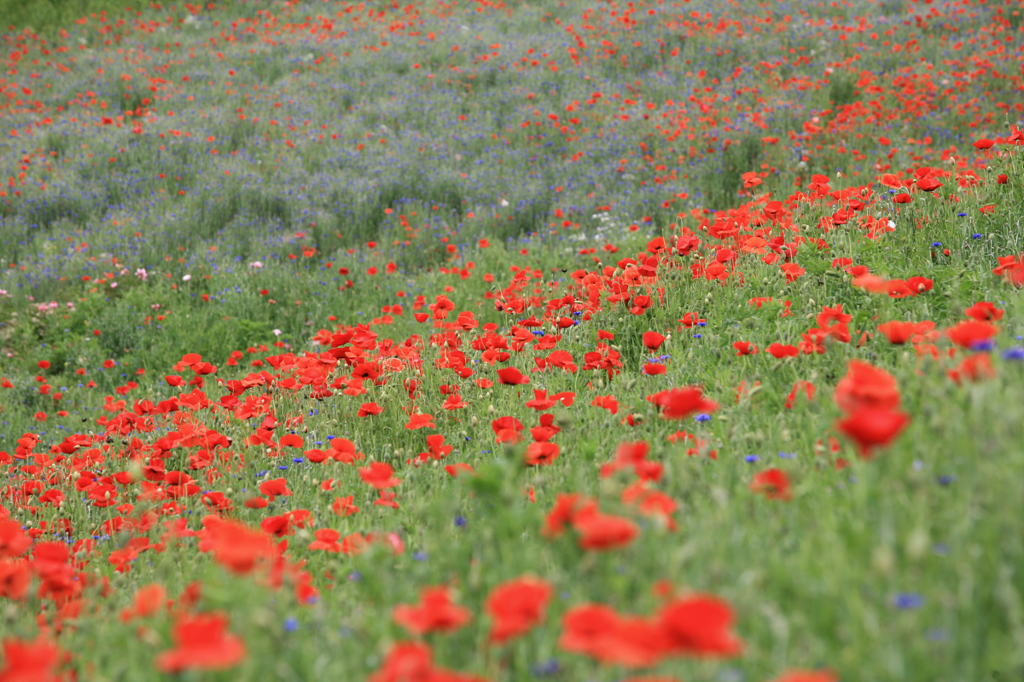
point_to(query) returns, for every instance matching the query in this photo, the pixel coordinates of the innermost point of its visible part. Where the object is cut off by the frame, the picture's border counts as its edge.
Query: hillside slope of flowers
(644, 341)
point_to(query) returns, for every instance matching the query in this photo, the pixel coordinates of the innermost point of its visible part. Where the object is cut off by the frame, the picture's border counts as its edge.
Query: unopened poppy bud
(882, 559)
(917, 544)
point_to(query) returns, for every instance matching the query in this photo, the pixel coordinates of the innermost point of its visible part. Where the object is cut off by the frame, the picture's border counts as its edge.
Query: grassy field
(437, 341)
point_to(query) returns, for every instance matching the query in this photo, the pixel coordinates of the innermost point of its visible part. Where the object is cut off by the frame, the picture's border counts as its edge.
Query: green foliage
(903, 566)
(48, 16)
(722, 181)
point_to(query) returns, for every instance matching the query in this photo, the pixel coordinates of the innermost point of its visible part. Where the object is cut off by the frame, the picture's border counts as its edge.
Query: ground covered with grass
(437, 341)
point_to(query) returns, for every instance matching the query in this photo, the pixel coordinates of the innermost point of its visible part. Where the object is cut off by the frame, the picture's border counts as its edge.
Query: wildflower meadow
(496, 340)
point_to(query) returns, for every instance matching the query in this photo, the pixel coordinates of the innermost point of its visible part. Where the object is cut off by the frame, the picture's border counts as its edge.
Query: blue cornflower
(908, 600)
(548, 667)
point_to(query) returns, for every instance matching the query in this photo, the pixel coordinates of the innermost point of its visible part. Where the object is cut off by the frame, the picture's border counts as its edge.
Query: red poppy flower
(602, 531)
(234, 545)
(435, 613)
(586, 626)
(278, 526)
(792, 271)
(866, 386)
(541, 454)
(808, 388)
(454, 470)
(653, 340)
(773, 483)
(275, 487)
(700, 625)
(977, 367)
(872, 427)
(778, 351)
(633, 455)
(679, 403)
(379, 475)
(13, 540)
(343, 450)
(561, 514)
(516, 606)
(291, 440)
(607, 402)
(898, 332)
(406, 662)
(654, 369)
(691, 320)
(971, 333)
(420, 421)
(202, 643)
(511, 376)
(15, 578)
(454, 402)
(30, 661)
(344, 506)
(919, 285)
(369, 409)
(540, 401)
(353, 543)
(148, 600)
(507, 430)
(326, 541)
(868, 282)
(745, 348)
(598, 631)
(928, 184)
